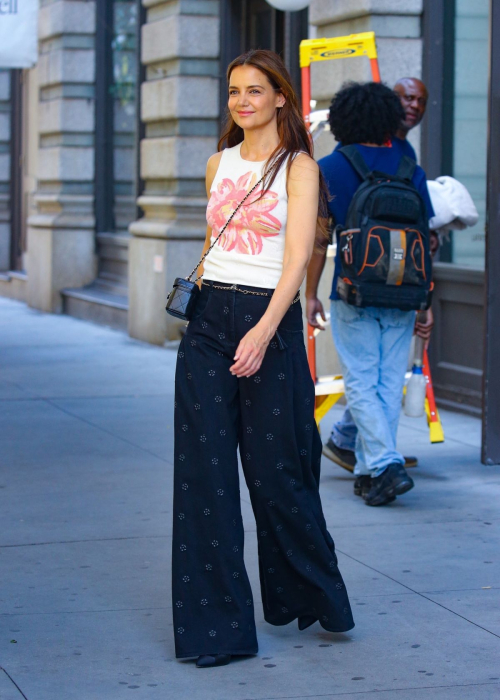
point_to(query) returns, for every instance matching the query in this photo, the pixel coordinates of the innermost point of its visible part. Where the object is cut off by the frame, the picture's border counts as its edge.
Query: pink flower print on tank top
(252, 222)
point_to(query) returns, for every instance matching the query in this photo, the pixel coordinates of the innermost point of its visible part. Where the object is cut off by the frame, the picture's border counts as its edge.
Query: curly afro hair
(365, 113)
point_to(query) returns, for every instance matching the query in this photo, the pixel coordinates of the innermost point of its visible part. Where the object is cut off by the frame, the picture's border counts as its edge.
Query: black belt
(235, 288)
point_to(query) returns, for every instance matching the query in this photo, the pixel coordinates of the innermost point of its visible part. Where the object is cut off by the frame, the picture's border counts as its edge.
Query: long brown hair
(292, 132)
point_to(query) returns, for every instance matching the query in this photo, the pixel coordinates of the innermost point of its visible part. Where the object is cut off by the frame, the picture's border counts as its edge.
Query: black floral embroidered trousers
(269, 417)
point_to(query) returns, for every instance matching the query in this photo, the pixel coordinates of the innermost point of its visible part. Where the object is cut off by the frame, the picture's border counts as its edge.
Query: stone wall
(61, 246)
(179, 103)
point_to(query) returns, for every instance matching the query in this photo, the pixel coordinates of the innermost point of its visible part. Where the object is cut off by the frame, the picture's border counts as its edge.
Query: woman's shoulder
(212, 167)
(303, 174)
(227, 154)
(214, 160)
(303, 165)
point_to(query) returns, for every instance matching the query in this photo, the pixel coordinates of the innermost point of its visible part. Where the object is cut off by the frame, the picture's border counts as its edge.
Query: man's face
(413, 96)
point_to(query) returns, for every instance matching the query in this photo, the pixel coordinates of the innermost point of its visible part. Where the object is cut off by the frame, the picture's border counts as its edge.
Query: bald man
(413, 95)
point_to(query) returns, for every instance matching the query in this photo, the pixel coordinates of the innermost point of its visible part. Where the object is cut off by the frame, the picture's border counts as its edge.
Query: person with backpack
(381, 207)
(413, 95)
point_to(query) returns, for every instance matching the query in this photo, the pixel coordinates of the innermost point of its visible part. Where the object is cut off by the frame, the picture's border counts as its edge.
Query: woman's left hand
(251, 351)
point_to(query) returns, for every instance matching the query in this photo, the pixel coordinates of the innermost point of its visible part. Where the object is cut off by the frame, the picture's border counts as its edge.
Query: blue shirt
(403, 144)
(406, 147)
(343, 181)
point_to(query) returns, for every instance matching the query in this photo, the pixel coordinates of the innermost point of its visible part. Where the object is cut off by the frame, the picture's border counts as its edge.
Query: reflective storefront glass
(123, 89)
(470, 121)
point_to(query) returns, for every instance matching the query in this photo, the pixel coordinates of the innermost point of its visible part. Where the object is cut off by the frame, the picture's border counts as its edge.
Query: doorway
(254, 24)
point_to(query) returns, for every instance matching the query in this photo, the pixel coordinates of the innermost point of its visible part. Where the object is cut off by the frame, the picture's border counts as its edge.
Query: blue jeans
(344, 432)
(373, 346)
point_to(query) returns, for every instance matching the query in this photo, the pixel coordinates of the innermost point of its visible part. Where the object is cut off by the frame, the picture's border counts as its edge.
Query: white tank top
(250, 251)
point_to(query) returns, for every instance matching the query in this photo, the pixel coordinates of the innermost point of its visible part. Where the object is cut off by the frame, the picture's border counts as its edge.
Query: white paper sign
(18, 33)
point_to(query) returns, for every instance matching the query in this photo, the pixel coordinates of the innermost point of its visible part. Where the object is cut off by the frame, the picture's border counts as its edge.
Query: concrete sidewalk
(85, 519)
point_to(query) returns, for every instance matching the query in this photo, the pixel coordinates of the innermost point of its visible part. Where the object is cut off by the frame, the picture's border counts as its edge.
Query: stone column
(61, 247)
(179, 102)
(397, 26)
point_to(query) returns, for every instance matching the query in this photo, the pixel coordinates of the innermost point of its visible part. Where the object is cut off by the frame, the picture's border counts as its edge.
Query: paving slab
(146, 421)
(482, 606)
(464, 555)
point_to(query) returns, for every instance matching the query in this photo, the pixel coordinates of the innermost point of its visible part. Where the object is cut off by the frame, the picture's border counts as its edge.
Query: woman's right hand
(314, 307)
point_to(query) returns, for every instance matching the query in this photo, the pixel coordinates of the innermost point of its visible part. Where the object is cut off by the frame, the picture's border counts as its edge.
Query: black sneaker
(362, 485)
(394, 481)
(404, 482)
(344, 458)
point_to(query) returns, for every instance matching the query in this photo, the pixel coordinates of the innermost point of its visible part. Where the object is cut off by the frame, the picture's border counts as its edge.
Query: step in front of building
(93, 303)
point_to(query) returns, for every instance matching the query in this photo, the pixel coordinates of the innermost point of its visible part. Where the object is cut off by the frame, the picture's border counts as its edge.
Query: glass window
(123, 90)
(116, 118)
(470, 121)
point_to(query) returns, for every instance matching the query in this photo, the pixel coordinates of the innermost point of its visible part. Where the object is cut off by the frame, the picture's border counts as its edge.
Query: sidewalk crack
(13, 682)
(96, 539)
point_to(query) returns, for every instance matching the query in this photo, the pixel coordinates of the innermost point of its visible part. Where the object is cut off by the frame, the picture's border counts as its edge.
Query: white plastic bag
(452, 204)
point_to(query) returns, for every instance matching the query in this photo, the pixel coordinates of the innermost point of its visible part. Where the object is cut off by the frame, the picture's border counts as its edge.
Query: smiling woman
(242, 381)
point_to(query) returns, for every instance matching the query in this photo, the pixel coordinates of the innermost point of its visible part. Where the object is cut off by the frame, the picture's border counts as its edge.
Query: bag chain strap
(222, 231)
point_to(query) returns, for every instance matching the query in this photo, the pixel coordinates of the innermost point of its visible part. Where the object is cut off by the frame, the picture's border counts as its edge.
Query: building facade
(103, 147)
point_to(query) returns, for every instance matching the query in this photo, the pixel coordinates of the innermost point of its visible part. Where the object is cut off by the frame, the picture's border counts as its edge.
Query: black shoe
(306, 621)
(362, 485)
(210, 660)
(394, 481)
(404, 482)
(344, 458)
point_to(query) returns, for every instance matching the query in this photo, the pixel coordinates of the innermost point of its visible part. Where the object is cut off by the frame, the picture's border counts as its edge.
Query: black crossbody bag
(182, 299)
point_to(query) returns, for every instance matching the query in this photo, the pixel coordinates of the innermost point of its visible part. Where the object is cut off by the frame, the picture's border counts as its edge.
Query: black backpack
(384, 247)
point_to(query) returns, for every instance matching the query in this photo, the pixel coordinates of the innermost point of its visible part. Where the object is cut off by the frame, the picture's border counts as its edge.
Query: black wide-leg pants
(270, 418)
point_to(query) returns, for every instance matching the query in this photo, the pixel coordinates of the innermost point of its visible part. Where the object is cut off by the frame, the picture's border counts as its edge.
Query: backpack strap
(356, 160)
(406, 168)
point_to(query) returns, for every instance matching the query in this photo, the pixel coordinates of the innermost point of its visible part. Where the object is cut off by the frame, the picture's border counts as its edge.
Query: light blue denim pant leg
(344, 432)
(373, 346)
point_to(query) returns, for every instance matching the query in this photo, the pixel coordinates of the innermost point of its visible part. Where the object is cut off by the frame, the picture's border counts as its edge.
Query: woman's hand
(251, 350)
(313, 308)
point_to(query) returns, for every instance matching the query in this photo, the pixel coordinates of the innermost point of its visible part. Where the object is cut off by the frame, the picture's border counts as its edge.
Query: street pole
(490, 452)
